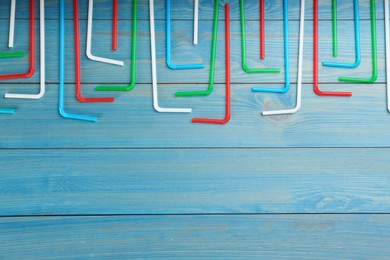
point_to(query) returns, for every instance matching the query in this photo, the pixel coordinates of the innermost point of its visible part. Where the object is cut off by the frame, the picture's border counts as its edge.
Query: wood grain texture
(184, 237)
(135, 165)
(192, 181)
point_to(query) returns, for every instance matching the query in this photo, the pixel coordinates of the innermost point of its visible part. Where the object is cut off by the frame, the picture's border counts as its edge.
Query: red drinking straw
(262, 30)
(115, 25)
(77, 60)
(227, 68)
(315, 59)
(31, 71)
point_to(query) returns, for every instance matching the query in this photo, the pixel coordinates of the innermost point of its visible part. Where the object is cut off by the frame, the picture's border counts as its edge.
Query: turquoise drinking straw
(61, 109)
(169, 47)
(357, 39)
(286, 55)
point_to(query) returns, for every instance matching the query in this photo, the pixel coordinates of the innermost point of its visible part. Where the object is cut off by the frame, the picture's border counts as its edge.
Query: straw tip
(8, 111)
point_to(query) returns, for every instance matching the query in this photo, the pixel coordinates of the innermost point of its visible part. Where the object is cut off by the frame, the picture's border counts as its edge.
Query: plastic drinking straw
(169, 47)
(115, 25)
(79, 94)
(196, 18)
(31, 70)
(300, 64)
(315, 59)
(212, 60)
(227, 69)
(9, 111)
(286, 57)
(11, 36)
(245, 65)
(42, 58)
(374, 75)
(61, 109)
(133, 57)
(334, 29)
(357, 42)
(12, 54)
(387, 36)
(262, 30)
(89, 40)
(154, 69)
(12, 24)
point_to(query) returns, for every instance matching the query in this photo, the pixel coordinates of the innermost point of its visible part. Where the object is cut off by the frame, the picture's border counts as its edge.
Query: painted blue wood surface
(194, 181)
(158, 179)
(212, 237)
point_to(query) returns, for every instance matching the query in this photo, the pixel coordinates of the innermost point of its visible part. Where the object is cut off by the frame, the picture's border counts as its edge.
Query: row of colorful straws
(210, 88)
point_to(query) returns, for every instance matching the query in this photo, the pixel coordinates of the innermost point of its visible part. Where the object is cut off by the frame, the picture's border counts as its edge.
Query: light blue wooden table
(139, 184)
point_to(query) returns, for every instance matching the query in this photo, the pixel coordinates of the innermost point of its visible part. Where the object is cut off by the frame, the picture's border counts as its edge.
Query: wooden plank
(131, 122)
(184, 52)
(194, 181)
(184, 9)
(183, 237)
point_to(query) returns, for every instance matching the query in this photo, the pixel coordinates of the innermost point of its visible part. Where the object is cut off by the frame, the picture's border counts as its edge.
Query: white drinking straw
(11, 24)
(196, 17)
(89, 41)
(300, 61)
(154, 70)
(42, 58)
(387, 33)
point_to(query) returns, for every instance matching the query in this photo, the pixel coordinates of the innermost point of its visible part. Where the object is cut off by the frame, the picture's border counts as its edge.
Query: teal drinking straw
(62, 69)
(286, 55)
(357, 40)
(169, 47)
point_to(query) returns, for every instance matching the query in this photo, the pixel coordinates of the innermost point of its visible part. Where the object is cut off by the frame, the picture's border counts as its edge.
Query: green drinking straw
(12, 54)
(245, 66)
(374, 76)
(212, 59)
(133, 57)
(334, 29)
